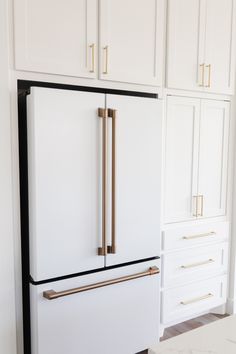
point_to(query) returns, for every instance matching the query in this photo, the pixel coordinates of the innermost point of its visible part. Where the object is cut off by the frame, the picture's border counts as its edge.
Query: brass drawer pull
(195, 205)
(200, 204)
(212, 233)
(112, 249)
(197, 299)
(193, 265)
(202, 74)
(51, 294)
(209, 75)
(105, 49)
(92, 47)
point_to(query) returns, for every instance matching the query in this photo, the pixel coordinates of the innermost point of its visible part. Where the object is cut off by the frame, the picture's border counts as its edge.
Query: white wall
(7, 291)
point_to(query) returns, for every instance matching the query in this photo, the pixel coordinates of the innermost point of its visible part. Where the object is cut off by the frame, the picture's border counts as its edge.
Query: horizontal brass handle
(212, 233)
(197, 299)
(198, 264)
(52, 295)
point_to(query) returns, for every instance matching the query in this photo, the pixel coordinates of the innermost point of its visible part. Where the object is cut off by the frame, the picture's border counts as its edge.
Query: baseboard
(230, 307)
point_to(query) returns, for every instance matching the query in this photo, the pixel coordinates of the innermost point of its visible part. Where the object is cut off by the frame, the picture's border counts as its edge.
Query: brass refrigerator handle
(103, 113)
(112, 249)
(52, 295)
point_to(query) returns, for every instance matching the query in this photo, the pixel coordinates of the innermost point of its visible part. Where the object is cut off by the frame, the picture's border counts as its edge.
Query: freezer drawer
(120, 318)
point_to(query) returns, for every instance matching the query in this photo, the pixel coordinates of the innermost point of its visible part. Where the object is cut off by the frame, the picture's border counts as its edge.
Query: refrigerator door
(122, 318)
(135, 136)
(64, 176)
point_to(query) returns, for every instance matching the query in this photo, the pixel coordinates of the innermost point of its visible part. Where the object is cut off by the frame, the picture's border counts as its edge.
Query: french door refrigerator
(93, 185)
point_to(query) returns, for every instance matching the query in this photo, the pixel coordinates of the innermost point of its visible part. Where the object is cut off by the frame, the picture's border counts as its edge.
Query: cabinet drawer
(102, 320)
(189, 236)
(193, 299)
(198, 263)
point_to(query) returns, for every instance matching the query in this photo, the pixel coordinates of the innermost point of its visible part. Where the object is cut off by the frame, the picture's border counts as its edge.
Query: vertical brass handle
(112, 249)
(209, 75)
(105, 49)
(92, 48)
(195, 207)
(103, 113)
(201, 201)
(202, 75)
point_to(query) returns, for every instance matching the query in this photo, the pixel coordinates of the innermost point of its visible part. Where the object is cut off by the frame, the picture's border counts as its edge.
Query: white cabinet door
(185, 47)
(132, 40)
(64, 182)
(181, 151)
(122, 318)
(57, 37)
(219, 46)
(213, 156)
(137, 177)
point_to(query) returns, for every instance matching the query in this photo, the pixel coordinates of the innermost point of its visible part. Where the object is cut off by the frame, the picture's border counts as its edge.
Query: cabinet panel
(213, 156)
(104, 320)
(185, 51)
(192, 299)
(132, 40)
(137, 177)
(219, 46)
(195, 264)
(56, 37)
(64, 158)
(181, 149)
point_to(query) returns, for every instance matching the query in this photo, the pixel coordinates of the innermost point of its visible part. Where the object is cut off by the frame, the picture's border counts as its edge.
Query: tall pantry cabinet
(195, 235)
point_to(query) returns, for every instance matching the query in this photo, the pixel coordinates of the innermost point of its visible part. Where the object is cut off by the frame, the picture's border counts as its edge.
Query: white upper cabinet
(57, 37)
(184, 53)
(200, 53)
(219, 46)
(132, 41)
(182, 134)
(213, 152)
(61, 37)
(196, 154)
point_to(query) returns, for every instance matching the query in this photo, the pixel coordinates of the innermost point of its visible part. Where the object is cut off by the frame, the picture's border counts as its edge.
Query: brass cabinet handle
(192, 237)
(112, 249)
(197, 299)
(103, 113)
(198, 264)
(202, 71)
(105, 49)
(209, 75)
(195, 201)
(92, 47)
(201, 201)
(52, 295)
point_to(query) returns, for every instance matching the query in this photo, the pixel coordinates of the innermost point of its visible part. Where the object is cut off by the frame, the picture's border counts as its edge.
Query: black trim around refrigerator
(24, 87)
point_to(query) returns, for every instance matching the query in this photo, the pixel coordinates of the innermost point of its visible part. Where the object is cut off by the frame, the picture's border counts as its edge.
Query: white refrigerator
(94, 182)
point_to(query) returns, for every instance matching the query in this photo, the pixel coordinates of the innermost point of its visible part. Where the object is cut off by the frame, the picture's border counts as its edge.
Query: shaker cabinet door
(200, 48)
(136, 169)
(219, 46)
(64, 158)
(185, 47)
(213, 156)
(132, 41)
(181, 151)
(57, 37)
